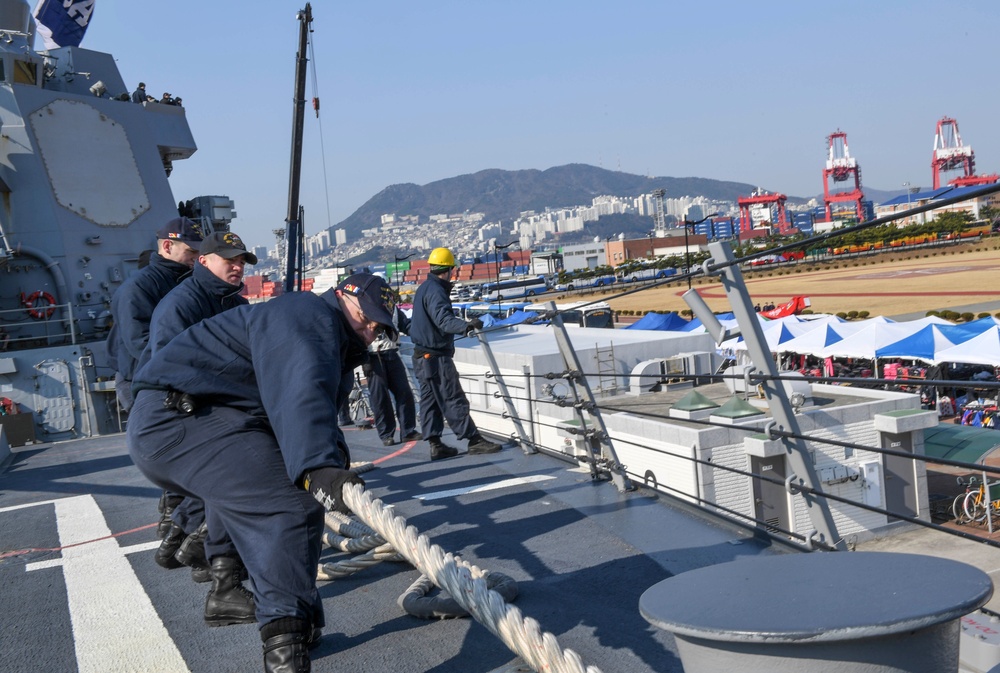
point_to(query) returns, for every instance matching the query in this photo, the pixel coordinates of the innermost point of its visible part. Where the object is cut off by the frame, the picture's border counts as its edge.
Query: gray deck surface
(581, 553)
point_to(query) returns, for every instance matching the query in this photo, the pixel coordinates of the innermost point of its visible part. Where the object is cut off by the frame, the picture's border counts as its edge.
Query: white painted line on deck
(114, 622)
(506, 483)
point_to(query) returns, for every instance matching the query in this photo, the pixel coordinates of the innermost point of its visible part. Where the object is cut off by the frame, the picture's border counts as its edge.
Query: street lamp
(687, 251)
(496, 252)
(650, 235)
(395, 270)
(909, 192)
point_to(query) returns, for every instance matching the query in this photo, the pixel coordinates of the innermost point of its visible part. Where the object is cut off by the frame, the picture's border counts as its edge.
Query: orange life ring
(37, 310)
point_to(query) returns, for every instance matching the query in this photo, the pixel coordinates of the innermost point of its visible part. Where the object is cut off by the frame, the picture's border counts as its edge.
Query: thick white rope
(541, 651)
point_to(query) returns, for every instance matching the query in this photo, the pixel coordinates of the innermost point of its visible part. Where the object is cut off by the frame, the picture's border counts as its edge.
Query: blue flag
(62, 23)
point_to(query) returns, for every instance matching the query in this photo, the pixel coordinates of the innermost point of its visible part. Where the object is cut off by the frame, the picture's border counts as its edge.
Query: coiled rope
(523, 635)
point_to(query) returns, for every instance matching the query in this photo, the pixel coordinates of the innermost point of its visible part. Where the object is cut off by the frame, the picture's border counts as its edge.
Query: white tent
(776, 332)
(981, 350)
(864, 343)
(814, 340)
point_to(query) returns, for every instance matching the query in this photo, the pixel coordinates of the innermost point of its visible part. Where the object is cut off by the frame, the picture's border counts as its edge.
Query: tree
(991, 214)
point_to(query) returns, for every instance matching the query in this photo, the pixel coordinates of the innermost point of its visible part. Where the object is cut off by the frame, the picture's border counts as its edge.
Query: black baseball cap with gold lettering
(226, 244)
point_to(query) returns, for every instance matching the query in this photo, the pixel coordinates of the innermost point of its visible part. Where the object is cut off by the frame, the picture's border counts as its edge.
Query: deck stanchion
(600, 451)
(527, 446)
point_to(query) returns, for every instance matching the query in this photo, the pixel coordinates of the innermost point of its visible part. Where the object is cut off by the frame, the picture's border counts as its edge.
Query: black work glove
(473, 325)
(327, 483)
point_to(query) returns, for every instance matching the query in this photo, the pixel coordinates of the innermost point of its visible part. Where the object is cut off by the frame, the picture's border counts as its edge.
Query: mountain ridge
(503, 194)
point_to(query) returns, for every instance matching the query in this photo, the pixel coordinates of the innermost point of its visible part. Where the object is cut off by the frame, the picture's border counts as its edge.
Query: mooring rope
(354, 537)
(523, 635)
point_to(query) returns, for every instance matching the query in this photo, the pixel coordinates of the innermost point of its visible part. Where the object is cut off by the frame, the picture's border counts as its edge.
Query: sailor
(133, 303)
(240, 411)
(387, 374)
(139, 95)
(212, 288)
(433, 327)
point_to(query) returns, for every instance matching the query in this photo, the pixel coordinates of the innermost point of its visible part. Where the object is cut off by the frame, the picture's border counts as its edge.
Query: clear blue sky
(422, 91)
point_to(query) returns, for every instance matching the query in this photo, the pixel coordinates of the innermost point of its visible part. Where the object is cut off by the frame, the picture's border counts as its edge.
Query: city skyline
(415, 94)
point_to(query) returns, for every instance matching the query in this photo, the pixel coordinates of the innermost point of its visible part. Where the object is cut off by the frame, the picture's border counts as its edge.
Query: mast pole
(294, 229)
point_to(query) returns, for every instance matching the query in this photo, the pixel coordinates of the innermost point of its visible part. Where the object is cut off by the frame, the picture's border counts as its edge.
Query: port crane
(950, 154)
(841, 167)
(775, 204)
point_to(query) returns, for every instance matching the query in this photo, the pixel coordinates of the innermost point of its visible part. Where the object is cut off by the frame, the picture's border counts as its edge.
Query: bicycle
(976, 505)
(359, 404)
(958, 504)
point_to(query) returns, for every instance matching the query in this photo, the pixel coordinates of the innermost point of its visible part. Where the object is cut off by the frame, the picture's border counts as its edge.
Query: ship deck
(79, 590)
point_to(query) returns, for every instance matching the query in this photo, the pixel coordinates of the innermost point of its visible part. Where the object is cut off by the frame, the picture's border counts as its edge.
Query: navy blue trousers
(387, 374)
(231, 460)
(189, 514)
(442, 398)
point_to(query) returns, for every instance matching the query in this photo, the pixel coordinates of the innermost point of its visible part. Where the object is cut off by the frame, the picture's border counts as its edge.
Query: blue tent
(923, 344)
(515, 318)
(695, 324)
(928, 341)
(659, 321)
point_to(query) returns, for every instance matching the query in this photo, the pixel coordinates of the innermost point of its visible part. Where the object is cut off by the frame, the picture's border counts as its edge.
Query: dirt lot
(887, 284)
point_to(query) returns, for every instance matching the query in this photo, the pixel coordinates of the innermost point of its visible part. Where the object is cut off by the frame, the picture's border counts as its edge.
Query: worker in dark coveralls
(387, 374)
(433, 327)
(212, 288)
(240, 410)
(133, 303)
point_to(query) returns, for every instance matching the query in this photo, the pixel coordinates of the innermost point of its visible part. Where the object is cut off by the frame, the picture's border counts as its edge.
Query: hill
(503, 195)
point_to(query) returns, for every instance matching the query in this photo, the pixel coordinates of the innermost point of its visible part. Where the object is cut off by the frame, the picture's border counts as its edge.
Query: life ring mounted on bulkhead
(41, 305)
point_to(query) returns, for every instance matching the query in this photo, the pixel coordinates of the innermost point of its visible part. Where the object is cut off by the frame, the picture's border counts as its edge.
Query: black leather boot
(168, 547)
(480, 445)
(441, 450)
(168, 503)
(228, 602)
(192, 551)
(286, 646)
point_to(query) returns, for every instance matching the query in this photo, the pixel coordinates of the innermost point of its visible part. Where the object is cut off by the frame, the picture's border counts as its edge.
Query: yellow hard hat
(441, 257)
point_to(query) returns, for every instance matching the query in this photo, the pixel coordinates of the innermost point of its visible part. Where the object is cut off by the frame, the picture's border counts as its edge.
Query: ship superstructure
(83, 186)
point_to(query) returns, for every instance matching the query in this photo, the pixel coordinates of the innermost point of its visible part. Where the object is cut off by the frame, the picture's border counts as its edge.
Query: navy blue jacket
(433, 324)
(132, 310)
(201, 295)
(283, 362)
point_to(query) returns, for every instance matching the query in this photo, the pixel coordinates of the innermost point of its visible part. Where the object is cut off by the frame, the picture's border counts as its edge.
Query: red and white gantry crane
(841, 167)
(950, 154)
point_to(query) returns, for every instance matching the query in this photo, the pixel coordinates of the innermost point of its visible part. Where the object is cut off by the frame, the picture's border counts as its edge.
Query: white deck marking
(113, 618)
(506, 483)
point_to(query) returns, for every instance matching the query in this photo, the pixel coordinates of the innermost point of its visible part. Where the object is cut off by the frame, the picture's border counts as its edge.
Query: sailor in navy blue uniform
(433, 327)
(133, 303)
(240, 410)
(386, 373)
(213, 287)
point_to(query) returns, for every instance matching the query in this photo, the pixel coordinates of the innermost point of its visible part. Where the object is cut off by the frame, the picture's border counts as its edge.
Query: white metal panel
(872, 489)
(54, 396)
(90, 164)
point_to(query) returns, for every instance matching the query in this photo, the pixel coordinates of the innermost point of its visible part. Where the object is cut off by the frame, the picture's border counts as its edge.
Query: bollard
(821, 612)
